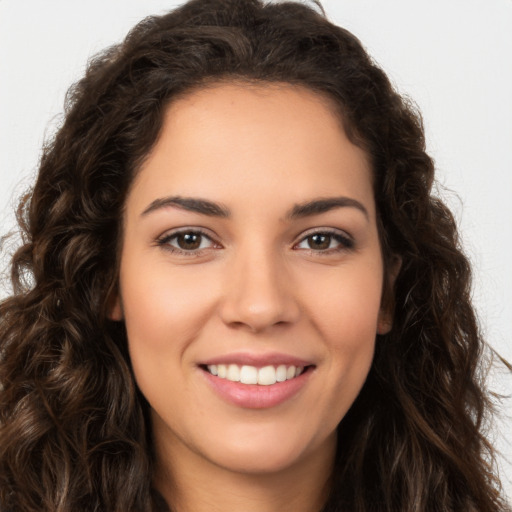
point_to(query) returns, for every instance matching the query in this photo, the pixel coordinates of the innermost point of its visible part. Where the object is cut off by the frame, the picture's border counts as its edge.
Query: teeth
(249, 375)
(222, 371)
(265, 376)
(281, 373)
(233, 373)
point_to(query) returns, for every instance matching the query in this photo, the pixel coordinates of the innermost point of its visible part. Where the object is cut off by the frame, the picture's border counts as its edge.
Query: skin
(257, 285)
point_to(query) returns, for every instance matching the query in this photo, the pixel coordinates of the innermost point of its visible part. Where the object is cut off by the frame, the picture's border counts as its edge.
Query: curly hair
(75, 433)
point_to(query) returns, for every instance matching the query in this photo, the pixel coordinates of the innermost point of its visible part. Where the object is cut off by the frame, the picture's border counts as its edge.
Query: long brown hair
(74, 429)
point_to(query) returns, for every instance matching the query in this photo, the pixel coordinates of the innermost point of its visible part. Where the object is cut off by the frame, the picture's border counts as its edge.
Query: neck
(192, 484)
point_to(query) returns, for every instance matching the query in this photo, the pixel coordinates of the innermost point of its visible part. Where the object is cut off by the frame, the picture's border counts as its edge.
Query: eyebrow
(190, 204)
(323, 205)
(212, 209)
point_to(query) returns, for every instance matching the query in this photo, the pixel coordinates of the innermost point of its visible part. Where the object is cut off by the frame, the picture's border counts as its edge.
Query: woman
(236, 291)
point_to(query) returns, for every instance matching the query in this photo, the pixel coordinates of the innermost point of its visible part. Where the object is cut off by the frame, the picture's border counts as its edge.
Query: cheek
(346, 307)
(164, 312)
(345, 311)
(159, 303)
(161, 323)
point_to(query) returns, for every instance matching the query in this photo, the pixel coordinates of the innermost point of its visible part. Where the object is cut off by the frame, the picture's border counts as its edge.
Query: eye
(325, 241)
(186, 241)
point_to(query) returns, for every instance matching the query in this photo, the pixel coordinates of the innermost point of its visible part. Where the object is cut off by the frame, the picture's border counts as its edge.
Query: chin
(267, 454)
(252, 463)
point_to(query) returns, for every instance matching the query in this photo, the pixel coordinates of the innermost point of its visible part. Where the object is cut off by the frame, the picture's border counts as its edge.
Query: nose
(258, 293)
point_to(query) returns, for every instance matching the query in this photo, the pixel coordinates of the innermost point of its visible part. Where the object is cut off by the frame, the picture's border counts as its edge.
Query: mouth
(252, 375)
(253, 387)
(257, 381)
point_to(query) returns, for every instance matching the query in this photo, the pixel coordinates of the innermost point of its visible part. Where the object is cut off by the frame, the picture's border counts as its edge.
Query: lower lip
(254, 396)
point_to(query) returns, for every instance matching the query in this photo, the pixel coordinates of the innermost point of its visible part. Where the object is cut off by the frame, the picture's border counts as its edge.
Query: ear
(386, 313)
(384, 322)
(115, 307)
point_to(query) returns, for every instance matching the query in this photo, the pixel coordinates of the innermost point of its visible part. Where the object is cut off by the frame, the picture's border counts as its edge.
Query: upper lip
(257, 360)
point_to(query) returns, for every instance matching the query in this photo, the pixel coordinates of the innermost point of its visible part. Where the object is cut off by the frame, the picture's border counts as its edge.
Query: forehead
(241, 140)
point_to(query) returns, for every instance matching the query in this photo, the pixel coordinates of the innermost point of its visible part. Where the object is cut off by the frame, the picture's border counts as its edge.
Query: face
(251, 277)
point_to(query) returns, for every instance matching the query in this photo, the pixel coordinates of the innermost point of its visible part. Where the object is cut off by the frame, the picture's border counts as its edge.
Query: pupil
(319, 241)
(189, 241)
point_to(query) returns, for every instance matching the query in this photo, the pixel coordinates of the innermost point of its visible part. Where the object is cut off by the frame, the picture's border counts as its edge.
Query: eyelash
(165, 242)
(346, 243)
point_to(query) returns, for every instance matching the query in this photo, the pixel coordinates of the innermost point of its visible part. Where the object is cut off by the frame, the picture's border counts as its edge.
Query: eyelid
(163, 240)
(347, 240)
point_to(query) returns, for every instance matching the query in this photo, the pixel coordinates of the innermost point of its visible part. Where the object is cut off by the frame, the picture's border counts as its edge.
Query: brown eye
(189, 241)
(186, 242)
(319, 241)
(326, 242)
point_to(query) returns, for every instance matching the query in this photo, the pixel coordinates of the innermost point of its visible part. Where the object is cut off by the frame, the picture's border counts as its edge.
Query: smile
(246, 374)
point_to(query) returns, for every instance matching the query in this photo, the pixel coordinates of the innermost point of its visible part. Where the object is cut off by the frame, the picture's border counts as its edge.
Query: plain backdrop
(452, 57)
